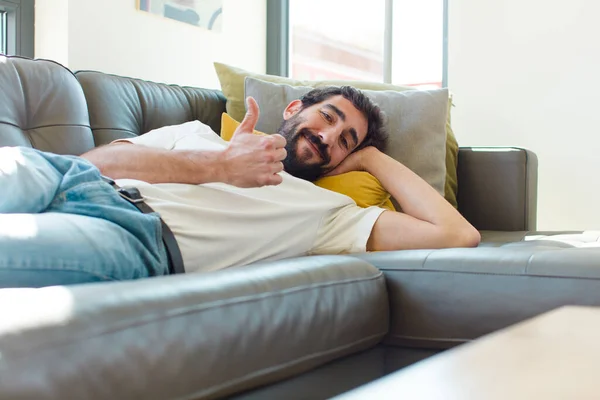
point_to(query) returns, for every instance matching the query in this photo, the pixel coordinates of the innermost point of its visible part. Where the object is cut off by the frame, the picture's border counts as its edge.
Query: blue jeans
(61, 224)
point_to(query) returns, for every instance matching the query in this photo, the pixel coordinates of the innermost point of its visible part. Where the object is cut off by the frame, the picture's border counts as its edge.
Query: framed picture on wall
(206, 14)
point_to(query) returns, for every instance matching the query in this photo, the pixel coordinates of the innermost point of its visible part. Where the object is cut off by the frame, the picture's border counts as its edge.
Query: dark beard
(293, 164)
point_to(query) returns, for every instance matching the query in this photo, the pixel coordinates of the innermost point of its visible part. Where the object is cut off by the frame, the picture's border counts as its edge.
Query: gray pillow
(416, 122)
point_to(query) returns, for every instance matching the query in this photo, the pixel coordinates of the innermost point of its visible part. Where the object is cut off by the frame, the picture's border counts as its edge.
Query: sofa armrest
(188, 336)
(497, 188)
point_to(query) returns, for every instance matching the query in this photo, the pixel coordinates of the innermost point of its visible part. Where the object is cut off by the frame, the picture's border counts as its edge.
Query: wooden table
(553, 356)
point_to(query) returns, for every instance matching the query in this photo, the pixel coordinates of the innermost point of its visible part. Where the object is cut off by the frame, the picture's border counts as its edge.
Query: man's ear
(292, 109)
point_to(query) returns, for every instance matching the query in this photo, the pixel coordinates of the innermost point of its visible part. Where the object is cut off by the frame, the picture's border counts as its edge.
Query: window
(329, 40)
(393, 41)
(3, 32)
(17, 27)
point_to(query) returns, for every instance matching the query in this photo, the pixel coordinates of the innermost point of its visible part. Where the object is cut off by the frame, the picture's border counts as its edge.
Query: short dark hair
(377, 135)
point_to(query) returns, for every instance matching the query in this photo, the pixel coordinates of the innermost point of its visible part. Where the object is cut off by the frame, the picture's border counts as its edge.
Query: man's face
(321, 136)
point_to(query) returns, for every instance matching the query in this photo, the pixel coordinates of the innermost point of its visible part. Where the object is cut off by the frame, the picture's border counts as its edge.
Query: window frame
(278, 46)
(4, 39)
(19, 29)
(278, 42)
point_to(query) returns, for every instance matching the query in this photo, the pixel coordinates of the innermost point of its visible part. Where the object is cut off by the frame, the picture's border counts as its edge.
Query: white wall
(525, 73)
(52, 30)
(113, 36)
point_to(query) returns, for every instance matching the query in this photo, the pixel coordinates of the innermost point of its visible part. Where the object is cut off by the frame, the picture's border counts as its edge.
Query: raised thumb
(251, 117)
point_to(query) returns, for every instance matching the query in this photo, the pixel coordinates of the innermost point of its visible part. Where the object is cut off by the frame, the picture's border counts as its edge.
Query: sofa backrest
(122, 107)
(42, 106)
(45, 106)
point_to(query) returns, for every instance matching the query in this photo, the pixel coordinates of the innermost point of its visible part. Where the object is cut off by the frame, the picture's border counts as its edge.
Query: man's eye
(327, 117)
(344, 143)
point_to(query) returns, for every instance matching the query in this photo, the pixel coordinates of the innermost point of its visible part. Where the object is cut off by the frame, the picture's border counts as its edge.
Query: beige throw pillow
(232, 86)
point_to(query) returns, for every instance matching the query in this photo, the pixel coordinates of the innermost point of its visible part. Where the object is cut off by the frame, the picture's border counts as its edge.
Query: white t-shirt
(218, 225)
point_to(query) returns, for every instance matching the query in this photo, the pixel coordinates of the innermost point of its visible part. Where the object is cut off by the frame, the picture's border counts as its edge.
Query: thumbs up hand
(250, 119)
(253, 160)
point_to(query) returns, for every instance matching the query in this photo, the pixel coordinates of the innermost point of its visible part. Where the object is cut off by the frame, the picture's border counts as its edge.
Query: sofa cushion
(42, 106)
(416, 123)
(189, 336)
(122, 107)
(232, 84)
(440, 298)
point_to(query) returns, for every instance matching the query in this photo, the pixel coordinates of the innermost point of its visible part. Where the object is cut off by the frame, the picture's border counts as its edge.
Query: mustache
(316, 140)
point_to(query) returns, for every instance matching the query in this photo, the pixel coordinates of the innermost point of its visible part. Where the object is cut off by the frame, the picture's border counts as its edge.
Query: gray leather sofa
(305, 328)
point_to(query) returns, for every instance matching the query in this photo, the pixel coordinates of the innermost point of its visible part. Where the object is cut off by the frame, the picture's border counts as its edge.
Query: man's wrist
(205, 166)
(220, 167)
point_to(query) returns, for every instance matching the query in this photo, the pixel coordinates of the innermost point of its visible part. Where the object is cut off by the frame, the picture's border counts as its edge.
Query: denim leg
(62, 249)
(28, 181)
(61, 224)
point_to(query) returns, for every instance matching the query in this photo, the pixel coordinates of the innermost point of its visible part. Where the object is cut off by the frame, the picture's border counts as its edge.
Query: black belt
(133, 195)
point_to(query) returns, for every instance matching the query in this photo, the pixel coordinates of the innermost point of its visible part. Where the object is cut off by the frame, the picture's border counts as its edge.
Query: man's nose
(327, 137)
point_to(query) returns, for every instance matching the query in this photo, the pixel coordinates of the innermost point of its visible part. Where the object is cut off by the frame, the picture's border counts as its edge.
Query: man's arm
(427, 220)
(153, 165)
(249, 160)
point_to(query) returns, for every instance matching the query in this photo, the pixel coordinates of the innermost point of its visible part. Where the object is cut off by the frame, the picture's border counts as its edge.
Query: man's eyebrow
(336, 110)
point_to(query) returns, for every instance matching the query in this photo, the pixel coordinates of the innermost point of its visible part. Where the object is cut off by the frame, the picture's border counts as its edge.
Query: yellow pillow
(232, 86)
(362, 187)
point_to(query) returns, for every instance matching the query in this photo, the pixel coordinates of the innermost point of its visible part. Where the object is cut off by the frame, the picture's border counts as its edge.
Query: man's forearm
(152, 165)
(416, 197)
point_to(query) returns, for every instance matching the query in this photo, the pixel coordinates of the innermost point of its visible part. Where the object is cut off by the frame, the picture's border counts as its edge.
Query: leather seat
(441, 298)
